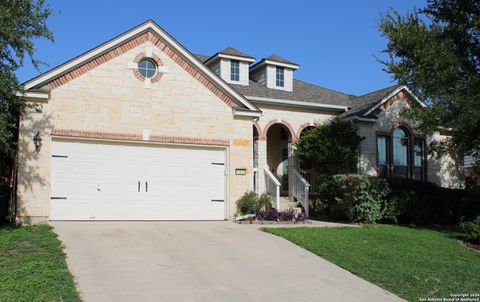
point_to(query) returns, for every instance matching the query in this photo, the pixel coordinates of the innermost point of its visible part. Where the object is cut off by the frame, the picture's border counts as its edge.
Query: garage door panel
(101, 181)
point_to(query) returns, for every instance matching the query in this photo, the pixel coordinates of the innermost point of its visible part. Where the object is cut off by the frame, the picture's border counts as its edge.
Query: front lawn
(412, 263)
(33, 267)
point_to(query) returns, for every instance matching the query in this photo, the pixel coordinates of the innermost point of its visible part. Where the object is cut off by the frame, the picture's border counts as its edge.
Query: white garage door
(100, 181)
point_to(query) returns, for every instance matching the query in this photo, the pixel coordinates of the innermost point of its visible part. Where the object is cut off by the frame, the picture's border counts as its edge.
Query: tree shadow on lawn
(450, 231)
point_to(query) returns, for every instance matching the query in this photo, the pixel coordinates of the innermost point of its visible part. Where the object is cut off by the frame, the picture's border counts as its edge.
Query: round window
(147, 68)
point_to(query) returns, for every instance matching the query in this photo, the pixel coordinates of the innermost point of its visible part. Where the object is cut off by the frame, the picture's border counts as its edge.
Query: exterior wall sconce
(37, 141)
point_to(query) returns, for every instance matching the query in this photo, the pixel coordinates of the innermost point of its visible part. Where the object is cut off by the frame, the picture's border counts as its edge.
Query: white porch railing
(301, 189)
(272, 188)
(310, 178)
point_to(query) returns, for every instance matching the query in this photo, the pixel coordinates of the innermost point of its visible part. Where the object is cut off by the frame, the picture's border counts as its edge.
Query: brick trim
(293, 137)
(132, 43)
(303, 127)
(157, 61)
(139, 137)
(399, 96)
(259, 129)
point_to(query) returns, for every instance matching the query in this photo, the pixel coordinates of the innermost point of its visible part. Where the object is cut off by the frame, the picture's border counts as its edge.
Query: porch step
(286, 203)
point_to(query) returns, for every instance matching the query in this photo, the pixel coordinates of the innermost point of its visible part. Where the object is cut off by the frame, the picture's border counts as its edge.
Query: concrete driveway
(201, 261)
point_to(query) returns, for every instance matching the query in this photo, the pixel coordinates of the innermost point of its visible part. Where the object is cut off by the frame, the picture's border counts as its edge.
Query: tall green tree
(436, 52)
(21, 22)
(331, 148)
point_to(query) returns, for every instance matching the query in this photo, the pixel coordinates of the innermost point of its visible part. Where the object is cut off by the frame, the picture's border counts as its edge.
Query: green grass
(33, 267)
(412, 263)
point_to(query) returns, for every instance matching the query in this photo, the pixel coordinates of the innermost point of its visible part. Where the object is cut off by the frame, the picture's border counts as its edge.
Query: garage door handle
(146, 186)
(138, 186)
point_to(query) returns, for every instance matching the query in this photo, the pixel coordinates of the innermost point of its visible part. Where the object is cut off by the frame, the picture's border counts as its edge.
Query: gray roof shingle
(202, 58)
(302, 91)
(277, 58)
(361, 104)
(227, 51)
(307, 92)
(234, 52)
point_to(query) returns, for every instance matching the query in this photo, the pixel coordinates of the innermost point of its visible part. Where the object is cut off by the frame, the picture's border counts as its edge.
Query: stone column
(262, 163)
(292, 164)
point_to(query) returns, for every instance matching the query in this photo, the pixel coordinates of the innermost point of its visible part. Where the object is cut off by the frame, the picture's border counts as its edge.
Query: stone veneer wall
(109, 98)
(294, 119)
(444, 172)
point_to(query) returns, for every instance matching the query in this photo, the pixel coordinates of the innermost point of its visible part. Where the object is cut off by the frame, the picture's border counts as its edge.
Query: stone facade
(444, 172)
(294, 120)
(110, 100)
(107, 99)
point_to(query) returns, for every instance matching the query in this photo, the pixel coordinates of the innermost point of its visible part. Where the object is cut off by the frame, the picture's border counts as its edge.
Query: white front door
(113, 181)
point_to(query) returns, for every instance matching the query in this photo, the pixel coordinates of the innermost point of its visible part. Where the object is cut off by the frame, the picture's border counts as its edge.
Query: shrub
(4, 201)
(394, 207)
(469, 205)
(317, 207)
(252, 203)
(471, 229)
(362, 197)
(331, 148)
(419, 202)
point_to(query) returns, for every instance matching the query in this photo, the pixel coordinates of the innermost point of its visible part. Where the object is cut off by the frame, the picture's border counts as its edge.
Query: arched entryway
(279, 138)
(304, 130)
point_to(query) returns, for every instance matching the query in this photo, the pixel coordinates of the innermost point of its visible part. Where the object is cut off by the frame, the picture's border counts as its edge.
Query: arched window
(400, 153)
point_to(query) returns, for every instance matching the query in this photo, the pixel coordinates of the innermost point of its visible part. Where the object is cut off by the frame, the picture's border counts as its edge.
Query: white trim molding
(40, 96)
(274, 63)
(247, 113)
(218, 56)
(257, 99)
(360, 119)
(287, 65)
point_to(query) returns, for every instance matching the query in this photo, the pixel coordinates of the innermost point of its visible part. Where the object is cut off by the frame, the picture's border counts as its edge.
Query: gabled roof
(234, 52)
(230, 53)
(277, 58)
(365, 105)
(152, 28)
(362, 104)
(274, 60)
(202, 58)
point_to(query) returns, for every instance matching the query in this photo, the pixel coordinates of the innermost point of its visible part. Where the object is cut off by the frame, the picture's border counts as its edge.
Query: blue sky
(334, 42)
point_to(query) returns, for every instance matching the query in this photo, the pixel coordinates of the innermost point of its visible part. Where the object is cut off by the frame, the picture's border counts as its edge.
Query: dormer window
(231, 65)
(280, 76)
(235, 70)
(274, 72)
